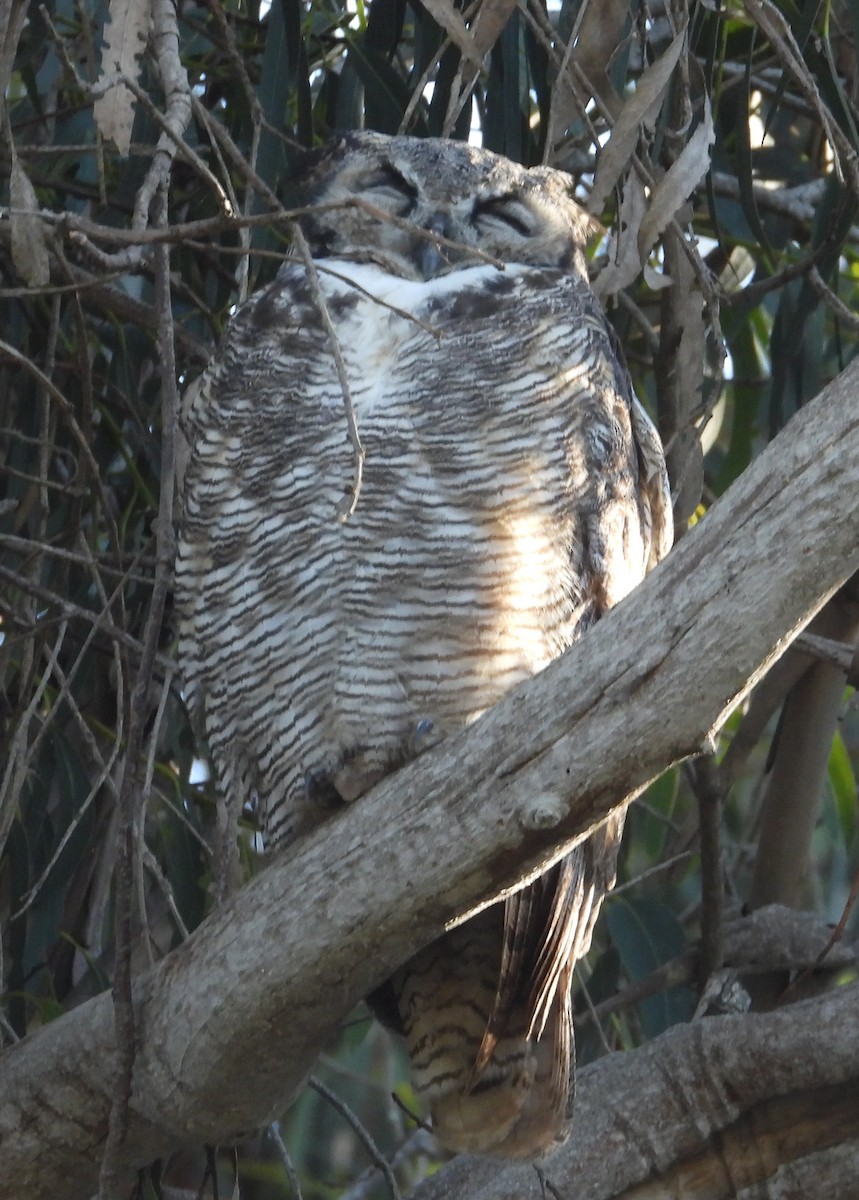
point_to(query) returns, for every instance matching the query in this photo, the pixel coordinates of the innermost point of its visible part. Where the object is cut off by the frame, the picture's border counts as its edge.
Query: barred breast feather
(493, 524)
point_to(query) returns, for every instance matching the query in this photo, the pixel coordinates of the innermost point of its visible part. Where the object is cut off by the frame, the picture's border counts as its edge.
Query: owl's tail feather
(521, 1107)
(486, 1009)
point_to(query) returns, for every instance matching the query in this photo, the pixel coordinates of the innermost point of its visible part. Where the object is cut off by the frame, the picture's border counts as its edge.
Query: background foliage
(734, 295)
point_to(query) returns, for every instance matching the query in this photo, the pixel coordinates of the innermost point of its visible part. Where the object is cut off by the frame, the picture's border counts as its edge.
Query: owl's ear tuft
(589, 225)
(293, 189)
(586, 224)
(309, 171)
(313, 167)
(308, 167)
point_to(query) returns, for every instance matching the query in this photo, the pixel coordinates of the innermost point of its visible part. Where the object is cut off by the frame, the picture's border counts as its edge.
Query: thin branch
(131, 797)
(67, 609)
(19, 753)
(709, 792)
(150, 862)
(105, 768)
(221, 136)
(142, 855)
(322, 269)
(286, 1161)
(658, 868)
(347, 505)
(174, 122)
(837, 654)
(57, 396)
(775, 26)
(593, 1014)
(376, 1157)
(419, 1142)
(845, 315)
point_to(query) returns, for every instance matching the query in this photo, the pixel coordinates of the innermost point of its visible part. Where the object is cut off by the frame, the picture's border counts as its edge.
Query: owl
(513, 490)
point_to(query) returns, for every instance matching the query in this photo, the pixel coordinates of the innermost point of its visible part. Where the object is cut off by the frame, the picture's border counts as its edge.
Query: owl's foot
(425, 735)
(360, 768)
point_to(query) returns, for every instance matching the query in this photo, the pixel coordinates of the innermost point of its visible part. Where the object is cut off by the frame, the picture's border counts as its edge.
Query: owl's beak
(432, 258)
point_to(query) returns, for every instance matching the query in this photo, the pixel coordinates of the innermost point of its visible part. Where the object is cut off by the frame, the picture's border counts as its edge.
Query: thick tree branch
(229, 1024)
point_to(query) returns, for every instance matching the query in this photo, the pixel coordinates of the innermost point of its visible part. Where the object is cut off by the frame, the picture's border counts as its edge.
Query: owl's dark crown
(422, 207)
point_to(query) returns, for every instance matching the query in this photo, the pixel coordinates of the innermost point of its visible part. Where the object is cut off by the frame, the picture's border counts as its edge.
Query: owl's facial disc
(391, 193)
(390, 190)
(432, 257)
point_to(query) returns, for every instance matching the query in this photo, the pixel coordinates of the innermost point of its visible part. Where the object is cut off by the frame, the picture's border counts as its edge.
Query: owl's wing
(548, 924)
(256, 411)
(538, 936)
(653, 481)
(654, 491)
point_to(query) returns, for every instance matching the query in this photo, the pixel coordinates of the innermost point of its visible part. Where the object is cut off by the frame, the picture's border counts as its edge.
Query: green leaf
(382, 90)
(647, 934)
(842, 780)
(602, 983)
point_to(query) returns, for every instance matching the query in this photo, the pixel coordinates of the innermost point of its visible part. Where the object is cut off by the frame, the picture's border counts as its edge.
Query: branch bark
(230, 1023)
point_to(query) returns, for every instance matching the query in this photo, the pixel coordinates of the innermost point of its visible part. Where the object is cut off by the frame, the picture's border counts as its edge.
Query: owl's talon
(425, 736)
(319, 788)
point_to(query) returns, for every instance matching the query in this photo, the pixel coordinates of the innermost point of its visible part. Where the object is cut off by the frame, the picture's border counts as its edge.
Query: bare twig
(19, 752)
(666, 865)
(420, 1142)
(222, 138)
(837, 654)
(775, 26)
(426, 235)
(345, 507)
(105, 767)
(704, 776)
(593, 1014)
(56, 395)
(376, 1156)
(845, 315)
(142, 856)
(65, 696)
(67, 609)
(286, 1161)
(28, 546)
(400, 312)
(131, 798)
(177, 90)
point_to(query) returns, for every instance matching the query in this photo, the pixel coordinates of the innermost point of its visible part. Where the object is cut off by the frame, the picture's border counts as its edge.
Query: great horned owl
(513, 490)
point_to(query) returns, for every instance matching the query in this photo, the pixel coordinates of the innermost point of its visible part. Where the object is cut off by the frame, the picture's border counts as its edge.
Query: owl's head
(389, 200)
